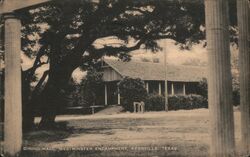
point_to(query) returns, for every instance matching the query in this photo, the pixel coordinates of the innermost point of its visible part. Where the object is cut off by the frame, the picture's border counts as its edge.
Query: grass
(152, 134)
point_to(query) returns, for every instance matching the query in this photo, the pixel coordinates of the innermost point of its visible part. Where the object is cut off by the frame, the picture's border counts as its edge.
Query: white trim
(106, 94)
(172, 88)
(159, 88)
(118, 96)
(184, 89)
(147, 87)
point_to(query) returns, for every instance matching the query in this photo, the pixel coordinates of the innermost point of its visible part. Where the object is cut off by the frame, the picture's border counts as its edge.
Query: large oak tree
(68, 32)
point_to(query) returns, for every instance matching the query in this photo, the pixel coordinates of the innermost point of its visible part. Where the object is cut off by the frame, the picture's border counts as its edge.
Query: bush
(202, 88)
(86, 93)
(131, 90)
(187, 102)
(155, 102)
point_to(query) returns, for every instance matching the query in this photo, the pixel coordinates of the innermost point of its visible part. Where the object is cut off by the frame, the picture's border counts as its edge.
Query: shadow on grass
(99, 130)
(59, 132)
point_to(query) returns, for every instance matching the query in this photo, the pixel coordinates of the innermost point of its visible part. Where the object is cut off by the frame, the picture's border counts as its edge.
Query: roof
(156, 71)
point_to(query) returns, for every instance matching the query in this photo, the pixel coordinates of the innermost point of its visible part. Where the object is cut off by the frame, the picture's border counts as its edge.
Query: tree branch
(39, 84)
(37, 63)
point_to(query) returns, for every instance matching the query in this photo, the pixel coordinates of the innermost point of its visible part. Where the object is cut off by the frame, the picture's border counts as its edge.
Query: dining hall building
(181, 79)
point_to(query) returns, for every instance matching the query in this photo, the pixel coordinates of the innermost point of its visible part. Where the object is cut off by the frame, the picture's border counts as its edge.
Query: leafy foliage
(187, 102)
(91, 86)
(155, 102)
(86, 94)
(202, 88)
(131, 90)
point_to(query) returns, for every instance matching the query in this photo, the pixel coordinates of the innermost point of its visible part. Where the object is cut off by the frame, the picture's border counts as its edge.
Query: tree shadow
(98, 130)
(59, 132)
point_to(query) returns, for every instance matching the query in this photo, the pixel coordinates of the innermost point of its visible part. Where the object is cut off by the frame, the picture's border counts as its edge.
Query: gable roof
(156, 71)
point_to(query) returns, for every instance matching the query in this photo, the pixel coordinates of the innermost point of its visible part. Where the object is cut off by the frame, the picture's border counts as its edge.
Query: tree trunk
(60, 72)
(219, 79)
(244, 53)
(27, 108)
(52, 97)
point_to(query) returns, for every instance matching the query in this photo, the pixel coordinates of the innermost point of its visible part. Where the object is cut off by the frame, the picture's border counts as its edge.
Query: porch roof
(155, 71)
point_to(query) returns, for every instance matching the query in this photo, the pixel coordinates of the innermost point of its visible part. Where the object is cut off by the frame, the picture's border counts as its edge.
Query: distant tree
(87, 92)
(90, 87)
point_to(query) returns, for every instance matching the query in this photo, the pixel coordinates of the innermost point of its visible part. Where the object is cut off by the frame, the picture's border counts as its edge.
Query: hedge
(187, 102)
(157, 103)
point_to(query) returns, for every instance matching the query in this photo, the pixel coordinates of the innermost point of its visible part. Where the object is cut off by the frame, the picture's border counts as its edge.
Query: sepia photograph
(124, 78)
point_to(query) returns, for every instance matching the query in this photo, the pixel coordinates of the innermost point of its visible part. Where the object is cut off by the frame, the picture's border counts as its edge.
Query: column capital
(10, 15)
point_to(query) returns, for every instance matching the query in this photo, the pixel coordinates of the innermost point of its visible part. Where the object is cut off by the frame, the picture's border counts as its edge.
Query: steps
(110, 110)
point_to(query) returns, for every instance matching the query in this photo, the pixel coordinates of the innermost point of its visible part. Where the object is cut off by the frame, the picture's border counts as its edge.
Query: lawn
(153, 134)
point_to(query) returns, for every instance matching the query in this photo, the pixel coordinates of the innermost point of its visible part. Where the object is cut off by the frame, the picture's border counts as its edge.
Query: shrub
(202, 90)
(86, 93)
(187, 102)
(131, 90)
(155, 102)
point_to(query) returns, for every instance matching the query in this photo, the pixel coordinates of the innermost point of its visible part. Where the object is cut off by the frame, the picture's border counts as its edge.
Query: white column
(244, 55)
(172, 88)
(166, 95)
(184, 89)
(13, 100)
(159, 88)
(118, 96)
(106, 94)
(219, 79)
(147, 88)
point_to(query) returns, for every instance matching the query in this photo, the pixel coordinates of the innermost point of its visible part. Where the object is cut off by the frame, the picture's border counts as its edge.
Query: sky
(174, 54)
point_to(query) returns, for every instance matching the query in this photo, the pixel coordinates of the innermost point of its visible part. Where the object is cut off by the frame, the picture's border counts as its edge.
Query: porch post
(244, 55)
(13, 100)
(118, 96)
(172, 88)
(106, 94)
(147, 87)
(220, 79)
(184, 89)
(159, 88)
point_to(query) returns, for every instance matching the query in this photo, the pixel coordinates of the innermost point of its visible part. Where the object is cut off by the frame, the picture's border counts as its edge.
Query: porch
(112, 95)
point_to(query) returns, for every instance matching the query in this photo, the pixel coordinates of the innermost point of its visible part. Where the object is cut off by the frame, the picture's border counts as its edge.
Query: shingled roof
(155, 71)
